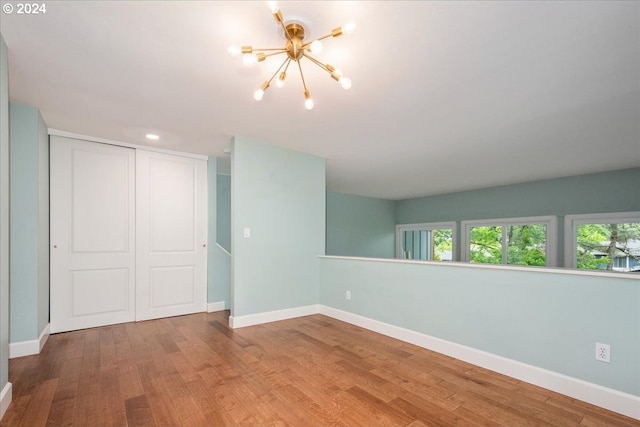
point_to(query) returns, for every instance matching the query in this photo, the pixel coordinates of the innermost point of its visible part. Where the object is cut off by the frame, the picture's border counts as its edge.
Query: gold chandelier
(296, 48)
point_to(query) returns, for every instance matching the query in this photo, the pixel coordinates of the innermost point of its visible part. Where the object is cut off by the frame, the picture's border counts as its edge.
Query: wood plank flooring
(311, 371)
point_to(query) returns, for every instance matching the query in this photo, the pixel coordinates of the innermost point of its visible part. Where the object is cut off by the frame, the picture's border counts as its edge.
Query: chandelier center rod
(295, 44)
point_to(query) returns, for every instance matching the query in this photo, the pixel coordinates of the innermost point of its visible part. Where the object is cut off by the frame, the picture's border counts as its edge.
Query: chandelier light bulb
(258, 94)
(273, 6)
(280, 81)
(345, 82)
(316, 47)
(234, 51)
(349, 27)
(249, 59)
(308, 102)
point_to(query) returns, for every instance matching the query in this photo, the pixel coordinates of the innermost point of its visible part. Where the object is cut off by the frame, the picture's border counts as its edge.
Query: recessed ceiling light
(152, 137)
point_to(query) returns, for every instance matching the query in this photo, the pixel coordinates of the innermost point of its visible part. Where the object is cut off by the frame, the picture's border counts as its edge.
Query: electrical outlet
(348, 296)
(603, 352)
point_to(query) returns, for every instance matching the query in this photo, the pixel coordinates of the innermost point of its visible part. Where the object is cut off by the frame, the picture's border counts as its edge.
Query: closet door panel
(92, 234)
(171, 235)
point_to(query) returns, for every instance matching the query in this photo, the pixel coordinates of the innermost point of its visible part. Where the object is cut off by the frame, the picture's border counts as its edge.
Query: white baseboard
(272, 316)
(44, 336)
(27, 348)
(216, 306)
(5, 398)
(617, 401)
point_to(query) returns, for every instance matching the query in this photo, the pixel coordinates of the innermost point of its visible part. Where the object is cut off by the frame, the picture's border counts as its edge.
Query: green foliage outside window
(486, 245)
(598, 244)
(442, 242)
(525, 244)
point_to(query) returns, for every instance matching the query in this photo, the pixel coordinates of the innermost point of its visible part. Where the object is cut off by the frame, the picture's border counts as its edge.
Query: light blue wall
(4, 215)
(545, 319)
(29, 217)
(43, 225)
(280, 195)
(615, 191)
(219, 263)
(360, 226)
(224, 211)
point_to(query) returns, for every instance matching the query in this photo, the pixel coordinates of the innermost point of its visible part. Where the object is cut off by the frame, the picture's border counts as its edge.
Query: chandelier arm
(304, 84)
(318, 63)
(267, 48)
(287, 66)
(336, 32)
(284, 29)
(280, 20)
(274, 53)
(286, 61)
(306, 45)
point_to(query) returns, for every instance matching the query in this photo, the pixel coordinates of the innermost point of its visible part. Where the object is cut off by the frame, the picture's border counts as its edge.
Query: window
(427, 242)
(512, 241)
(609, 241)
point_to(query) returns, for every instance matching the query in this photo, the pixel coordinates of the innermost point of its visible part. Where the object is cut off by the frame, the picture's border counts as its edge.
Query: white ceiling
(447, 96)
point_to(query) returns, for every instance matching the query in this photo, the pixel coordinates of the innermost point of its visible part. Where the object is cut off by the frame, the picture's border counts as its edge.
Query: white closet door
(92, 234)
(171, 230)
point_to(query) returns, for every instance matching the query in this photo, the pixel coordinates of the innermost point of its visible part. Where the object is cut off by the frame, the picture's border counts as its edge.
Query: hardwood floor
(195, 371)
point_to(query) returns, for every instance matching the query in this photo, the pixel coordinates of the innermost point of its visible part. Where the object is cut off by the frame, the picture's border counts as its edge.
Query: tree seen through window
(608, 246)
(525, 244)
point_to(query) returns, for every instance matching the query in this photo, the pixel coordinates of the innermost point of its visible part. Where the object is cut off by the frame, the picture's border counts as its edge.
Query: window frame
(571, 223)
(551, 243)
(426, 226)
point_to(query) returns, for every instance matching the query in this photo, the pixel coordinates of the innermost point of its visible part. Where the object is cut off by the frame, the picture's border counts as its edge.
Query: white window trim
(400, 228)
(571, 223)
(551, 244)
